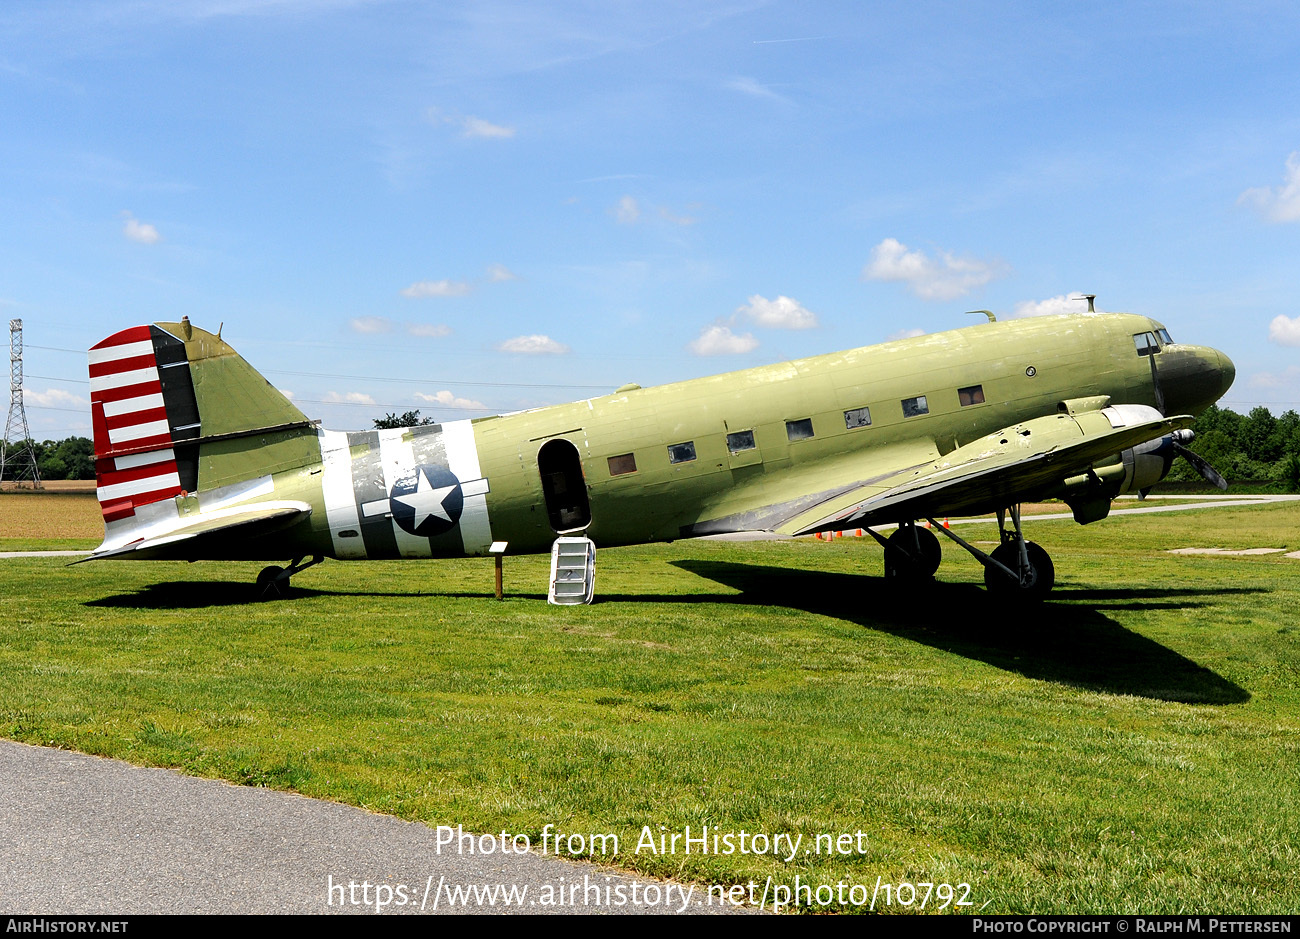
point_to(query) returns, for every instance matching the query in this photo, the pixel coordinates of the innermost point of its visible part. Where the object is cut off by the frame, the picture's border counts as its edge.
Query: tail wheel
(272, 584)
(1034, 583)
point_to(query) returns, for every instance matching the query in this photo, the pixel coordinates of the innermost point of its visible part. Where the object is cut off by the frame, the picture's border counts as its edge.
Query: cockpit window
(1164, 337)
(1146, 343)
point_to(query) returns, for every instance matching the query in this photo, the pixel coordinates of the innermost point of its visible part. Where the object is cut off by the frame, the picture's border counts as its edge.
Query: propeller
(1208, 472)
(1181, 438)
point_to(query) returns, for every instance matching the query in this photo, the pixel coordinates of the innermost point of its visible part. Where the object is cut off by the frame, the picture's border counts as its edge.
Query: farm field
(1133, 745)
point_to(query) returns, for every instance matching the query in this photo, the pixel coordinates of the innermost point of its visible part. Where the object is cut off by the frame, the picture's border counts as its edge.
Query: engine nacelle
(1138, 468)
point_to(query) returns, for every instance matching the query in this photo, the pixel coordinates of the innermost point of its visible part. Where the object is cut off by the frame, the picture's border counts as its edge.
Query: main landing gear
(273, 582)
(1016, 569)
(912, 554)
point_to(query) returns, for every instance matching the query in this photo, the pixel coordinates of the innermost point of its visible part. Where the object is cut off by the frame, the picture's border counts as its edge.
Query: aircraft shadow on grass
(1071, 644)
(198, 594)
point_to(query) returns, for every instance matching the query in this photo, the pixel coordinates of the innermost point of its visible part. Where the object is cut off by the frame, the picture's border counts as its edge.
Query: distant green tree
(1291, 472)
(1258, 437)
(1288, 432)
(71, 458)
(409, 419)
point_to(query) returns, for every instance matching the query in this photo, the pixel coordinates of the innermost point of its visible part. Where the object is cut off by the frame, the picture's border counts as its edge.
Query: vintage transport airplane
(199, 457)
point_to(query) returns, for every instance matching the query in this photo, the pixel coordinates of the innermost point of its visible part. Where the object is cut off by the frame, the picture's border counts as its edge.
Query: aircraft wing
(1017, 464)
(192, 535)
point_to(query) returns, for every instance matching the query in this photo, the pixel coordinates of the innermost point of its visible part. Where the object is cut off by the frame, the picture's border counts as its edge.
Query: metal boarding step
(573, 571)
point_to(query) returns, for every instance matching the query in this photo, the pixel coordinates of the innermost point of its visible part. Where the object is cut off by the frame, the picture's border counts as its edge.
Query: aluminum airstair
(573, 571)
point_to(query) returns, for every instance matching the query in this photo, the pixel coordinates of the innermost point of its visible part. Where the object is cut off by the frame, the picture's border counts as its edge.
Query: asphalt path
(85, 835)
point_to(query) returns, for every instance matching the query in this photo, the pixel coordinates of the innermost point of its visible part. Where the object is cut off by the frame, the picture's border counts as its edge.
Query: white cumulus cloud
(1272, 381)
(469, 125)
(448, 399)
(55, 398)
(720, 340)
(1284, 330)
(477, 127)
(370, 325)
(905, 334)
(533, 345)
(348, 397)
(437, 288)
(498, 273)
(627, 211)
(429, 330)
(1280, 204)
(943, 278)
(1065, 303)
(781, 313)
(138, 231)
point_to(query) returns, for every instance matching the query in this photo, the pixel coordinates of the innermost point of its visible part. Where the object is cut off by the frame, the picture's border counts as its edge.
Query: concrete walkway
(87, 835)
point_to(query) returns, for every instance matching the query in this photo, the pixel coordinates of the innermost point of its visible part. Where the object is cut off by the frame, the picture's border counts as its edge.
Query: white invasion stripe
(340, 496)
(475, 487)
(137, 486)
(131, 461)
(136, 431)
(127, 350)
(233, 495)
(130, 405)
(120, 379)
(462, 459)
(398, 460)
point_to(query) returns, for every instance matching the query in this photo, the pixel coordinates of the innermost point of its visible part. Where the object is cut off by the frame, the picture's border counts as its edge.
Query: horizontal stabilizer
(190, 537)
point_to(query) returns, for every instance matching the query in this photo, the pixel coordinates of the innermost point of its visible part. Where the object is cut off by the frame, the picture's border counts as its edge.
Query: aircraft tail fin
(172, 408)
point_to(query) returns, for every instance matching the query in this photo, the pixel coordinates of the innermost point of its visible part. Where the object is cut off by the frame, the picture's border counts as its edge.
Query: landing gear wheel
(1034, 584)
(272, 584)
(912, 554)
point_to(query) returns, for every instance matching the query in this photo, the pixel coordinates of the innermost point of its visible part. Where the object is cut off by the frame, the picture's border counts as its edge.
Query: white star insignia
(426, 501)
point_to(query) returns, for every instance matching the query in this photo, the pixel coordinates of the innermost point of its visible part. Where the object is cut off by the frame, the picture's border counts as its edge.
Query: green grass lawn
(1133, 745)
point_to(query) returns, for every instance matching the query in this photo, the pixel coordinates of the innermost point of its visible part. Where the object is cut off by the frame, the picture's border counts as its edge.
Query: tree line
(1254, 447)
(70, 458)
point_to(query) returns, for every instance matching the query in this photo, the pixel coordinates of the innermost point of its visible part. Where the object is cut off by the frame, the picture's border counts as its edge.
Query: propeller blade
(1210, 474)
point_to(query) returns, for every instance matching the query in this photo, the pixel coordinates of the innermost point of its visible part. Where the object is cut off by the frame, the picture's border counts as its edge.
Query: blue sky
(459, 206)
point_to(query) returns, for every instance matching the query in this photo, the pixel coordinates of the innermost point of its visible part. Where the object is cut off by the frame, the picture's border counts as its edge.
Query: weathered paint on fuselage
(452, 489)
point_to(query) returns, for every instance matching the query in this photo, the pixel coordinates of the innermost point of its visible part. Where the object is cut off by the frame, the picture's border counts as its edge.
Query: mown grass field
(1133, 745)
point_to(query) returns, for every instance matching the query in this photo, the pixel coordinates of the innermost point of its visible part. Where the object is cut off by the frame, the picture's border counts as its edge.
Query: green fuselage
(766, 448)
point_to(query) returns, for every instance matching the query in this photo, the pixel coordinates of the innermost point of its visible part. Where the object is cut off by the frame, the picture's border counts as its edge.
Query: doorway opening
(563, 486)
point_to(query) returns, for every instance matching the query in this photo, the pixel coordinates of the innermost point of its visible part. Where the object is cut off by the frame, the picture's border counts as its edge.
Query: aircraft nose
(1227, 372)
(1194, 377)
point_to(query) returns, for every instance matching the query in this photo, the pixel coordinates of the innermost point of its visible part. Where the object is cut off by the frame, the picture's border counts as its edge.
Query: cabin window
(915, 407)
(1164, 337)
(622, 464)
(740, 440)
(681, 452)
(972, 395)
(799, 430)
(858, 417)
(1146, 343)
